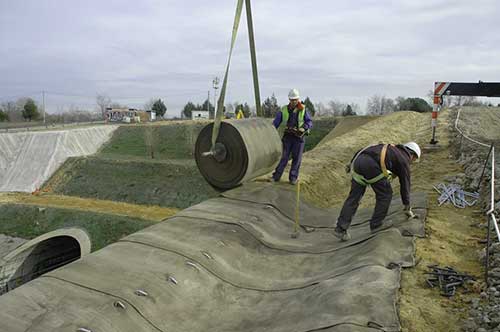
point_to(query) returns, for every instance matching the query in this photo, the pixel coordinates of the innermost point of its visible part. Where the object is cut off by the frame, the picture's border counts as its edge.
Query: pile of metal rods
(454, 194)
(447, 279)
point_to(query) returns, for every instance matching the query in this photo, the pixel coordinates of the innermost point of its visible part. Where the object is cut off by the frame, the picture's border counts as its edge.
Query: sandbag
(245, 149)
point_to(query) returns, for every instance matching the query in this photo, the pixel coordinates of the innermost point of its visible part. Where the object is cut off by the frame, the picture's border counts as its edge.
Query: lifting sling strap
(253, 57)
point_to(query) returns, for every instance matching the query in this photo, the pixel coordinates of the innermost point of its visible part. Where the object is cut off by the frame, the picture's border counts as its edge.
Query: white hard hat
(293, 94)
(414, 148)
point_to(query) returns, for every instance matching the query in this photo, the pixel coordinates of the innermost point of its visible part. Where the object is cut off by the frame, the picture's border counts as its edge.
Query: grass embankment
(321, 128)
(148, 164)
(28, 222)
(163, 142)
(138, 182)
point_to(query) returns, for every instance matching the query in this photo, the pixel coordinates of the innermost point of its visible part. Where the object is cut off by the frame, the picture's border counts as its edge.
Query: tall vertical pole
(251, 40)
(487, 262)
(435, 109)
(216, 86)
(208, 104)
(43, 102)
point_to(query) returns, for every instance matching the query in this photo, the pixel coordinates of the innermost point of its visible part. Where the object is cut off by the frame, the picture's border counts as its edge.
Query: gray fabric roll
(245, 149)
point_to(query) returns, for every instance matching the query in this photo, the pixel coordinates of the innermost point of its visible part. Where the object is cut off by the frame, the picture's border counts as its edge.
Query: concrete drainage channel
(31, 259)
(484, 314)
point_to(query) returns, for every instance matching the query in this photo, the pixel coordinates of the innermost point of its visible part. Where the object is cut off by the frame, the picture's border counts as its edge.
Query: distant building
(200, 115)
(126, 115)
(151, 115)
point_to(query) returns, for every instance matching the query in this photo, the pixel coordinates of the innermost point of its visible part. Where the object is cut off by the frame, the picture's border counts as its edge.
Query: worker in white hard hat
(295, 122)
(374, 166)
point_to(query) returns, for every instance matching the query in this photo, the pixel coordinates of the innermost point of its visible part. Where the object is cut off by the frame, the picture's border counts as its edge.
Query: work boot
(293, 182)
(384, 225)
(341, 234)
(272, 179)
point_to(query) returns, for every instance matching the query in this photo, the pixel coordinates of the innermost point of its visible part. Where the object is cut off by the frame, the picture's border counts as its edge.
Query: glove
(296, 132)
(409, 213)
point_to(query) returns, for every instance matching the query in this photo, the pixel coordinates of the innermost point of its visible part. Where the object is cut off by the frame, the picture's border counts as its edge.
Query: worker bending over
(374, 166)
(295, 123)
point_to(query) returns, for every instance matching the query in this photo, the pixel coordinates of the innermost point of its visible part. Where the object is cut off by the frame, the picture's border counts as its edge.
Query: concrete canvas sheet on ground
(28, 159)
(233, 267)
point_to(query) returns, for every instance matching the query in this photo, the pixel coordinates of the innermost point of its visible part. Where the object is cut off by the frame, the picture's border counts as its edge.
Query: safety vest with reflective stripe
(284, 117)
(385, 172)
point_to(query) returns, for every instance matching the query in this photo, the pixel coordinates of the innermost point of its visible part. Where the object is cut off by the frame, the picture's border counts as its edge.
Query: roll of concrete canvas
(245, 149)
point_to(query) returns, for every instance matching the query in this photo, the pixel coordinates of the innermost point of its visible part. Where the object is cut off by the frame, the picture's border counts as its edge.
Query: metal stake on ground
(296, 225)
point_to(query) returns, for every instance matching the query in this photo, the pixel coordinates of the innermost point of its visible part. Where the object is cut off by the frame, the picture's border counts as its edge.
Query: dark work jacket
(397, 160)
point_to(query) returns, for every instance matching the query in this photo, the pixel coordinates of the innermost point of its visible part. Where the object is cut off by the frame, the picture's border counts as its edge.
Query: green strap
(220, 102)
(364, 181)
(253, 56)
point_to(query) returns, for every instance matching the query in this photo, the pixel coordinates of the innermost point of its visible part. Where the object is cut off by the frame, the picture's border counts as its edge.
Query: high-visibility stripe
(440, 88)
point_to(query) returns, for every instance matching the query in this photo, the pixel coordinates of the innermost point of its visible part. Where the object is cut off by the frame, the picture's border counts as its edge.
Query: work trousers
(369, 168)
(294, 146)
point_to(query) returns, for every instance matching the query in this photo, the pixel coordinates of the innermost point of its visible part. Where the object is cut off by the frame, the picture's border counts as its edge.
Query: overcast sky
(344, 50)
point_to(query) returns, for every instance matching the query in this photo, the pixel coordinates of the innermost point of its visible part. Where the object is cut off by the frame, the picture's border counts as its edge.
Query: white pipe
(496, 226)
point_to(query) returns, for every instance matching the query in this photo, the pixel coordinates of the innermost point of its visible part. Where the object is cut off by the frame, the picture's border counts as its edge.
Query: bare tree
(336, 107)
(379, 105)
(320, 109)
(103, 102)
(356, 108)
(149, 105)
(13, 111)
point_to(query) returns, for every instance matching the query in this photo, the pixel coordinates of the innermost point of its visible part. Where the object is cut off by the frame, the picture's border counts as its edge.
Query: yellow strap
(385, 171)
(297, 204)
(382, 160)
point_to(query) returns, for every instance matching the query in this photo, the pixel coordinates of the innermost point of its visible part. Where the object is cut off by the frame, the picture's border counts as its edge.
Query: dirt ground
(451, 238)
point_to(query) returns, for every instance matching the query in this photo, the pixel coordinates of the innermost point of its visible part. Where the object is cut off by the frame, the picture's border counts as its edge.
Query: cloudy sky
(172, 49)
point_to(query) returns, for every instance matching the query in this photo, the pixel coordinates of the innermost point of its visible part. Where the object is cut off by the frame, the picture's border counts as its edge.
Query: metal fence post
(487, 263)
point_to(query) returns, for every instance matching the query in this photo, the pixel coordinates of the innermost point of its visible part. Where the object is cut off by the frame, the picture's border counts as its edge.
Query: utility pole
(43, 103)
(208, 104)
(216, 86)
